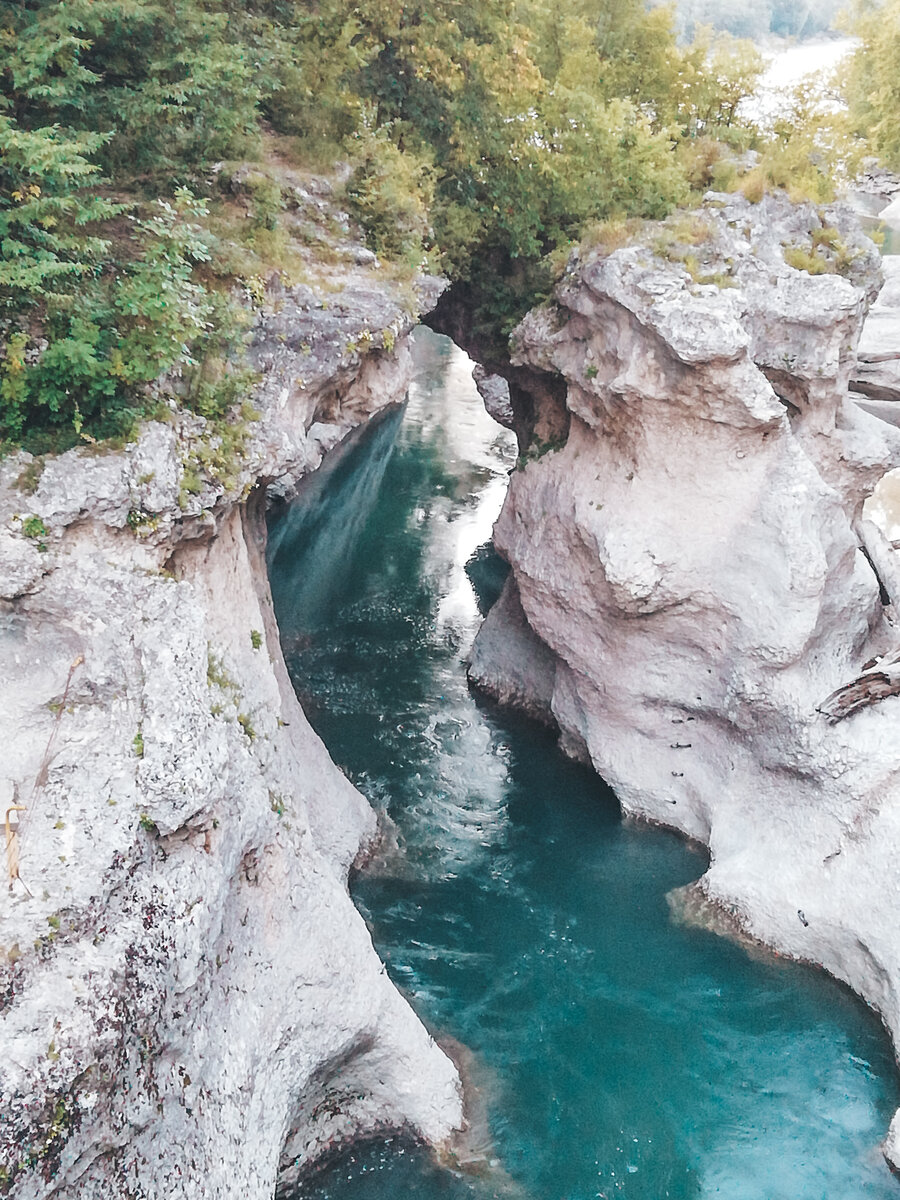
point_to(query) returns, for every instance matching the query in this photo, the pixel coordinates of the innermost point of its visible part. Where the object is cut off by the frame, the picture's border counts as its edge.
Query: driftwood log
(879, 678)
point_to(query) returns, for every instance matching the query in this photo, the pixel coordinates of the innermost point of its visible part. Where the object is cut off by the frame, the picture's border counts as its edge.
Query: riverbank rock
(877, 181)
(877, 372)
(190, 1004)
(686, 547)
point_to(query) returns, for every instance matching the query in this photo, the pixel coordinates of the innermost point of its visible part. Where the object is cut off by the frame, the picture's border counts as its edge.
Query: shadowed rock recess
(689, 555)
(190, 1005)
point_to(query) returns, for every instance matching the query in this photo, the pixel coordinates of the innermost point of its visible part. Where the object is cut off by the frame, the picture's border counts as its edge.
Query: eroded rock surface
(494, 391)
(688, 552)
(877, 371)
(190, 1005)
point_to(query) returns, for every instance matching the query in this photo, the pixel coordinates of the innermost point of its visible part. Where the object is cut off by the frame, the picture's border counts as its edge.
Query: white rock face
(494, 391)
(686, 551)
(190, 1005)
(877, 372)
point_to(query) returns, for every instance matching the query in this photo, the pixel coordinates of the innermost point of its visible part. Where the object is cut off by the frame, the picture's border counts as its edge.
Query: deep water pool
(614, 1053)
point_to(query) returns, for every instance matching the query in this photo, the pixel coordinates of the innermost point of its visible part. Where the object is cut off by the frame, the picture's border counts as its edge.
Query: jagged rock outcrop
(494, 391)
(687, 551)
(876, 374)
(190, 1005)
(876, 181)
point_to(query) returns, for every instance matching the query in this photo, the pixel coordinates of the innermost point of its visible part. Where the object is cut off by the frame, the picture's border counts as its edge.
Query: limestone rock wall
(688, 555)
(190, 1005)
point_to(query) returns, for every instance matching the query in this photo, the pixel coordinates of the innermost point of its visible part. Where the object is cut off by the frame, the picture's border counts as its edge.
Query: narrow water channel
(615, 1054)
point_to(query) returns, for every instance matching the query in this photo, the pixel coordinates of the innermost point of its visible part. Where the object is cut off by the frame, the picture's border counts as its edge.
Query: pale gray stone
(877, 373)
(494, 391)
(690, 555)
(528, 667)
(190, 1004)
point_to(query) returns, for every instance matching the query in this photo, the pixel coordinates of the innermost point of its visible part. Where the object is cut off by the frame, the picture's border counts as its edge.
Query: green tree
(108, 336)
(45, 214)
(871, 80)
(169, 79)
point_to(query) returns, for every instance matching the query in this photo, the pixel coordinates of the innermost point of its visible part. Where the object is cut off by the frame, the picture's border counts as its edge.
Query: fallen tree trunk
(879, 678)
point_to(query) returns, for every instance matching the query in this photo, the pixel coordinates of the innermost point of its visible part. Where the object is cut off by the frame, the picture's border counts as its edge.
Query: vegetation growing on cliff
(872, 78)
(481, 138)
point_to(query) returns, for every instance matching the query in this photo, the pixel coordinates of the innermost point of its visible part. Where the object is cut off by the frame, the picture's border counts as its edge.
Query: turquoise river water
(614, 1053)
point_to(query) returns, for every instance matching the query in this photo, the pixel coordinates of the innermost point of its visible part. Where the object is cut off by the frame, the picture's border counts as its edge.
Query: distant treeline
(783, 18)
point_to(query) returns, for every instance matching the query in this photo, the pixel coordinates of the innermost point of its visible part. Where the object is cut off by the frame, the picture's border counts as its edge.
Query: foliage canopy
(872, 77)
(481, 136)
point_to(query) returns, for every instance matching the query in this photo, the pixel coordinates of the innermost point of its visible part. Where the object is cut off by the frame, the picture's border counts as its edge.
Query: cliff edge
(692, 572)
(190, 1005)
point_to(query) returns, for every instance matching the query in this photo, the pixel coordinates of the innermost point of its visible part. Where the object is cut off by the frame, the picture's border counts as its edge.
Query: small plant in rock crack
(33, 527)
(141, 522)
